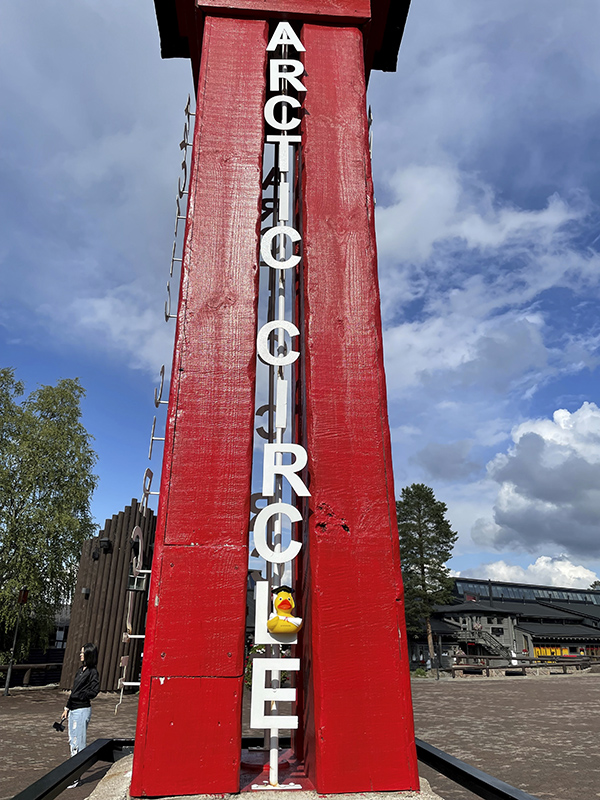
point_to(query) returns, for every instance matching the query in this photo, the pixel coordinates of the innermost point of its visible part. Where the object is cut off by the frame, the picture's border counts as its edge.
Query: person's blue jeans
(78, 721)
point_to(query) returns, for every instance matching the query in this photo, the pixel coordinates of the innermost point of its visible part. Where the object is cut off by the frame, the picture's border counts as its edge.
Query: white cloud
(462, 275)
(578, 431)
(459, 349)
(125, 322)
(439, 203)
(549, 486)
(545, 571)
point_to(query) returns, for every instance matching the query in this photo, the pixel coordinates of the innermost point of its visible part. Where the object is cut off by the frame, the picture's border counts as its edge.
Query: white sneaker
(73, 785)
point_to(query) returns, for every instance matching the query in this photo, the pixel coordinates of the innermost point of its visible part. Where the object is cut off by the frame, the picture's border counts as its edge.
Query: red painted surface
(357, 707)
(354, 10)
(189, 723)
(198, 747)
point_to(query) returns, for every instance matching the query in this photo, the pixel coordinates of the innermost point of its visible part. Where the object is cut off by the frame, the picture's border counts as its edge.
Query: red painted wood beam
(355, 11)
(358, 731)
(382, 23)
(189, 722)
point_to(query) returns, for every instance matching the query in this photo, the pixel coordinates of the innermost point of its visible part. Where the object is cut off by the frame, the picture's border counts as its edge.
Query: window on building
(60, 638)
(497, 631)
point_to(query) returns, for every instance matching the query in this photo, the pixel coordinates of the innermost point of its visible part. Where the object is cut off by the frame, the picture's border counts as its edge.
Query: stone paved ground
(539, 733)
(30, 747)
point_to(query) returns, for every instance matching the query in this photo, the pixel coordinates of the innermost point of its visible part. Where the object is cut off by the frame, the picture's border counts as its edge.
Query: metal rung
(128, 636)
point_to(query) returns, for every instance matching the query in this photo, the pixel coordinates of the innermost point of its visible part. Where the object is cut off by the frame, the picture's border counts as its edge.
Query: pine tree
(426, 543)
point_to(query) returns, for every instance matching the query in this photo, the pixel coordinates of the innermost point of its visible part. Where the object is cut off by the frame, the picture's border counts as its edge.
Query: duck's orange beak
(285, 604)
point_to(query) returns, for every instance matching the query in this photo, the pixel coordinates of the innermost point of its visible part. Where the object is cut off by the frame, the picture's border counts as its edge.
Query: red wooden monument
(289, 75)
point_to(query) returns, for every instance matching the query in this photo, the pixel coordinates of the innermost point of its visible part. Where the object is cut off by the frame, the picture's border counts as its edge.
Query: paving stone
(539, 733)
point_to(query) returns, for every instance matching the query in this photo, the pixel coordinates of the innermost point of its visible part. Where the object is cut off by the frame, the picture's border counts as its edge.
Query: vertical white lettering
(281, 125)
(262, 343)
(284, 201)
(260, 533)
(288, 471)
(281, 404)
(277, 252)
(266, 246)
(260, 693)
(278, 74)
(283, 160)
(285, 34)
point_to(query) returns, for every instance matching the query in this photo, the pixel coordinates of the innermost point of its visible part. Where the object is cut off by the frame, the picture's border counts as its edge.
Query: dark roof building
(507, 620)
(474, 589)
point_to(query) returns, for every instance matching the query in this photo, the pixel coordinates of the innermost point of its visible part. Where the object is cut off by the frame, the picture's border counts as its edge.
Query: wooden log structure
(99, 607)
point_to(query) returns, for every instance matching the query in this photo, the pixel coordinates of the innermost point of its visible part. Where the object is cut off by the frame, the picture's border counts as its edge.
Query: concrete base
(115, 786)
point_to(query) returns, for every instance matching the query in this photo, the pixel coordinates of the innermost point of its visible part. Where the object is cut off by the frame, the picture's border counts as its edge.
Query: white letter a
(284, 34)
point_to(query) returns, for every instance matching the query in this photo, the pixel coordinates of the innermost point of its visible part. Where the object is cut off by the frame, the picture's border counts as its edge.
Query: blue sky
(487, 175)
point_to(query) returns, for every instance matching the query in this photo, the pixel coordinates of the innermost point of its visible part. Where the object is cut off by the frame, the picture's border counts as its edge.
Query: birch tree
(46, 483)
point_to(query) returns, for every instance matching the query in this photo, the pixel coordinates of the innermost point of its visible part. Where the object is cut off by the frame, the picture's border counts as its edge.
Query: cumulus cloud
(489, 269)
(547, 571)
(484, 263)
(459, 350)
(549, 486)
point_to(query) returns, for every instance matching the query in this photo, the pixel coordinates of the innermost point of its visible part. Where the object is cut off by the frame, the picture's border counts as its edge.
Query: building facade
(512, 620)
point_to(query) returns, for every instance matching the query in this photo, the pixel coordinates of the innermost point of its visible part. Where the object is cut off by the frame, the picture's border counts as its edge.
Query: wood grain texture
(382, 23)
(197, 604)
(356, 691)
(340, 10)
(185, 747)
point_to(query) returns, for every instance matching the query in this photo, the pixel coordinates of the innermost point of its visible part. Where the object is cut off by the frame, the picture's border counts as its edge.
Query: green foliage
(426, 543)
(420, 672)
(257, 649)
(595, 585)
(46, 483)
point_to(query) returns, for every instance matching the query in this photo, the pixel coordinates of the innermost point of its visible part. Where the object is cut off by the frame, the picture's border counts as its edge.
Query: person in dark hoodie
(79, 708)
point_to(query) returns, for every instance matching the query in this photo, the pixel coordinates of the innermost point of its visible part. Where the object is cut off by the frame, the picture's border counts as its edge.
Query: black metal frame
(53, 783)
(471, 778)
(475, 780)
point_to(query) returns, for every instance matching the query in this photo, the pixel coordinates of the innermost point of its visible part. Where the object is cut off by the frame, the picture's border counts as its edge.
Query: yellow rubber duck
(281, 620)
